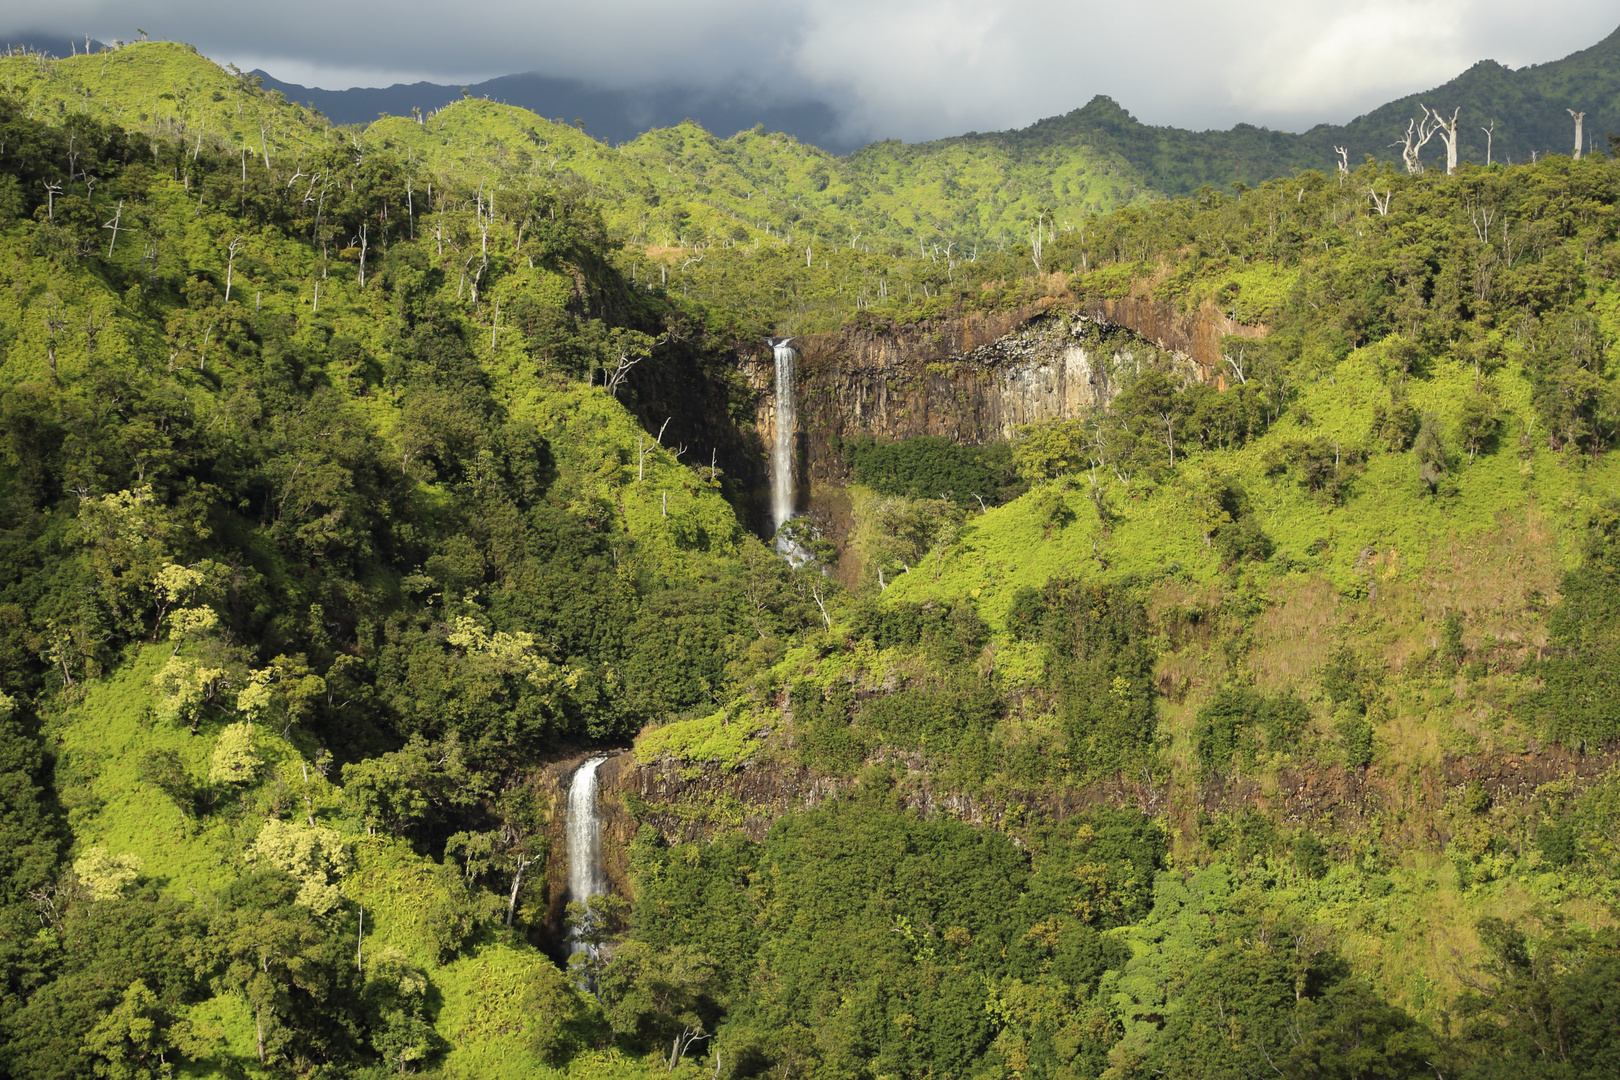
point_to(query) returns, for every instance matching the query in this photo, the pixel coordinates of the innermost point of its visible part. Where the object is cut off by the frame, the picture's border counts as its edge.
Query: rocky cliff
(974, 378)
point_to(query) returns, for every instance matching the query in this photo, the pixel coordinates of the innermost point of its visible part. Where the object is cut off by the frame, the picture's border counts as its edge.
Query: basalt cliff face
(976, 377)
(682, 802)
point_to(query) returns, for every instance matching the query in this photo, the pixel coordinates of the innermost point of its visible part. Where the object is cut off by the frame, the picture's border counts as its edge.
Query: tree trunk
(517, 883)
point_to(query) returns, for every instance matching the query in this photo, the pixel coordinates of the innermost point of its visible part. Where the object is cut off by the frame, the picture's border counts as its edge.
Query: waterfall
(782, 452)
(586, 876)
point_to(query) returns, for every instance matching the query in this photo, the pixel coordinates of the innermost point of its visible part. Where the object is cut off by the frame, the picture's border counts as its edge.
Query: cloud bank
(912, 69)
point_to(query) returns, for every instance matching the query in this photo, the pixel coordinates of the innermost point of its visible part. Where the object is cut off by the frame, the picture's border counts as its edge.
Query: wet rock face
(976, 378)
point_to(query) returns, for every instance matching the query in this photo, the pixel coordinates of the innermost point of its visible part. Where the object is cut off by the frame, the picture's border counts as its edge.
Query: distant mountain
(51, 44)
(686, 183)
(1528, 107)
(613, 116)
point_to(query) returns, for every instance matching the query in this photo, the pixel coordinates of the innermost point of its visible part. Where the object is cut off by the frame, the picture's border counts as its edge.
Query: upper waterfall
(586, 875)
(782, 450)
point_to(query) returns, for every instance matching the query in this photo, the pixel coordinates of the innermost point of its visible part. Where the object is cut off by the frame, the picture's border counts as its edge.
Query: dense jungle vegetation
(1257, 730)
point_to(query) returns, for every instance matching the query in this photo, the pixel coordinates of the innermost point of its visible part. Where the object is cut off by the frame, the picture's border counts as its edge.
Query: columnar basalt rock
(976, 378)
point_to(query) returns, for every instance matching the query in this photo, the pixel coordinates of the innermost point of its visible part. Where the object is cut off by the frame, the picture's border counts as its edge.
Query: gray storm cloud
(913, 69)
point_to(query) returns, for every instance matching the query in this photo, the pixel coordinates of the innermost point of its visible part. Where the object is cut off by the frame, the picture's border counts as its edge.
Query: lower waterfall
(586, 875)
(782, 451)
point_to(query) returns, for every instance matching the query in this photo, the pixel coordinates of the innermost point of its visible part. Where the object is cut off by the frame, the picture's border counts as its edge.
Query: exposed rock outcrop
(975, 378)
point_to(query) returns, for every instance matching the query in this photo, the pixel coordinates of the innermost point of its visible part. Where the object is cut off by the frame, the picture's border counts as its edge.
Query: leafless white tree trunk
(230, 264)
(115, 227)
(1037, 237)
(517, 884)
(55, 322)
(621, 371)
(1418, 133)
(683, 1043)
(1237, 365)
(1579, 118)
(1447, 130)
(1490, 133)
(815, 592)
(1344, 162)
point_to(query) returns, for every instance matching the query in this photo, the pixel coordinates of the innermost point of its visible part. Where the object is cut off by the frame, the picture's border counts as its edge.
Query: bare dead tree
(485, 220)
(363, 244)
(1447, 130)
(1490, 133)
(1418, 132)
(1580, 118)
(115, 227)
(815, 593)
(1344, 162)
(230, 266)
(1037, 237)
(683, 1043)
(517, 884)
(1237, 365)
(73, 160)
(55, 323)
(1382, 205)
(91, 329)
(621, 371)
(52, 189)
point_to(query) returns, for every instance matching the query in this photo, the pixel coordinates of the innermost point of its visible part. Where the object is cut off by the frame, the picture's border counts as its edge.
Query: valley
(1196, 654)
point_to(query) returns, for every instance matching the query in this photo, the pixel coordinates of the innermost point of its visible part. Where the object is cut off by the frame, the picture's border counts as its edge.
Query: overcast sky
(913, 69)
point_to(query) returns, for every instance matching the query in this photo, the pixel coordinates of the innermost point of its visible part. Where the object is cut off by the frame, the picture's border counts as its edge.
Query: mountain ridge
(617, 116)
(1529, 102)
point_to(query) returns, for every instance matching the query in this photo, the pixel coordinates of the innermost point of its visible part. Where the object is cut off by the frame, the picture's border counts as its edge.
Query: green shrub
(827, 741)
(1235, 719)
(1556, 840)
(1243, 541)
(164, 770)
(1310, 856)
(933, 467)
(1579, 704)
(1356, 735)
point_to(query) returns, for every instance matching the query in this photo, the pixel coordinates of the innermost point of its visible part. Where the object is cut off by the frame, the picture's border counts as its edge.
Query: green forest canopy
(324, 535)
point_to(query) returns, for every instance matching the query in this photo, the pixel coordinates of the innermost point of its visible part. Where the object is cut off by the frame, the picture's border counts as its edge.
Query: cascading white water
(782, 451)
(586, 876)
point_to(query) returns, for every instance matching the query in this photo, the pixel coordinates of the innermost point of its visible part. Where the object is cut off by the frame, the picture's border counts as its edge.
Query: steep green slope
(1341, 628)
(299, 514)
(166, 90)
